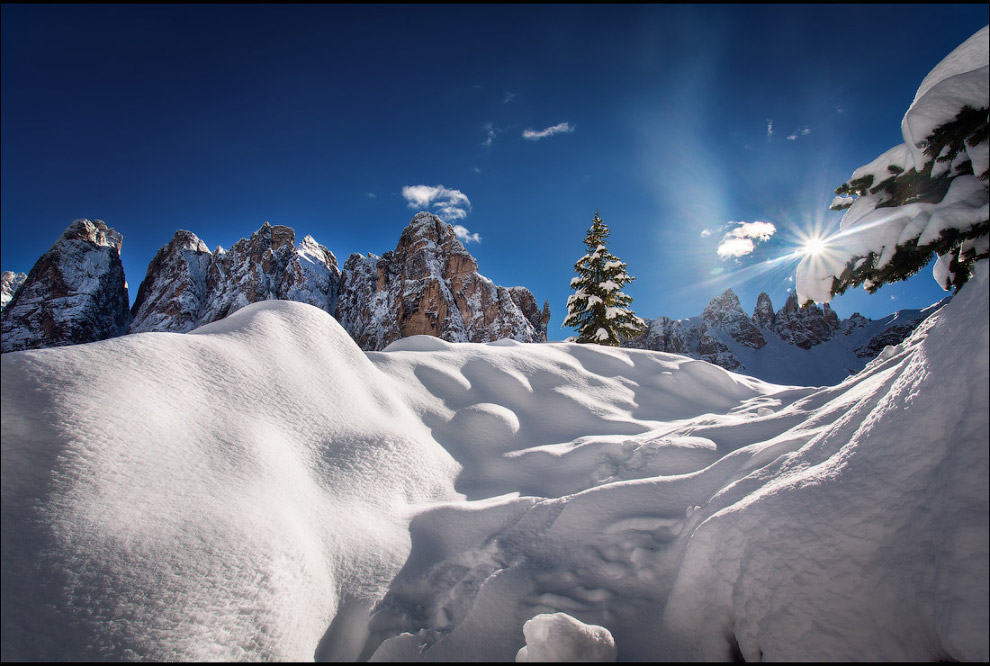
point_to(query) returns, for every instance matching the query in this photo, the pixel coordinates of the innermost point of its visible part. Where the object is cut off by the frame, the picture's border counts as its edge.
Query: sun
(813, 246)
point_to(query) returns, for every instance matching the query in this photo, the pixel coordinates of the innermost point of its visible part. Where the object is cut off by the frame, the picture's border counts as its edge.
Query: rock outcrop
(173, 294)
(726, 314)
(724, 335)
(10, 282)
(75, 293)
(805, 327)
(430, 285)
(187, 286)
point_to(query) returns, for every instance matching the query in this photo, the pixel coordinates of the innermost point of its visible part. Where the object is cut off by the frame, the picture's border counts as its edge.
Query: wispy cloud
(508, 97)
(769, 127)
(805, 131)
(490, 134)
(559, 128)
(742, 240)
(446, 203)
(705, 233)
(465, 235)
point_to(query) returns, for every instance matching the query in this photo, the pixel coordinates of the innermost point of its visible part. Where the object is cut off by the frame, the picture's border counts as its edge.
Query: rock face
(75, 293)
(763, 315)
(187, 286)
(430, 285)
(805, 327)
(723, 334)
(724, 313)
(10, 282)
(173, 295)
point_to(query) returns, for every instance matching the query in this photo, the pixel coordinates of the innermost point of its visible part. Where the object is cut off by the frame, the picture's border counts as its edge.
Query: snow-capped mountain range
(807, 346)
(428, 285)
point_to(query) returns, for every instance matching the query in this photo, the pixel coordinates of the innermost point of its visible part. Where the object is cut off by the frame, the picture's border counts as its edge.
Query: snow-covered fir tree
(922, 199)
(598, 308)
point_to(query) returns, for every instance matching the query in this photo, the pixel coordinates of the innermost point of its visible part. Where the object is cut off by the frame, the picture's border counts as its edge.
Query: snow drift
(262, 489)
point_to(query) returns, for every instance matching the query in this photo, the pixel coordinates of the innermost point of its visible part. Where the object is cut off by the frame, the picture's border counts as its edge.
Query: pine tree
(947, 160)
(598, 309)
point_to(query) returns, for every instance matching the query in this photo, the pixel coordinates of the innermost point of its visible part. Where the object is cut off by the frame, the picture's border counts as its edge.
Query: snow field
(262, 489)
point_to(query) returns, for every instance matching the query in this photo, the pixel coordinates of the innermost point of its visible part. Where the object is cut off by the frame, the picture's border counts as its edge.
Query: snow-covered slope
(253, 489)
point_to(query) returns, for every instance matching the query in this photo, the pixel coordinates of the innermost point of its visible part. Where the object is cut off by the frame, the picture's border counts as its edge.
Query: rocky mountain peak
(763, 315)
(725, 313)
(10, 282)
(805, 326)
(430, 285)
(75, 292)
(429, 246)
(173, 294)
(94, 232)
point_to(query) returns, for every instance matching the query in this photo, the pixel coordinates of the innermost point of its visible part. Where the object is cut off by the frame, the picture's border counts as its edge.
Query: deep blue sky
(217, 118)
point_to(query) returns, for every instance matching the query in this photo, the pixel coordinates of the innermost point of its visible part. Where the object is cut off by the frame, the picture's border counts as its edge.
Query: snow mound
(208, 496)
(559, 637)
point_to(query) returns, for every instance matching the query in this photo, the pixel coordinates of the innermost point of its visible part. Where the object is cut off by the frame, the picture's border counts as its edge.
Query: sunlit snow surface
(262, 489)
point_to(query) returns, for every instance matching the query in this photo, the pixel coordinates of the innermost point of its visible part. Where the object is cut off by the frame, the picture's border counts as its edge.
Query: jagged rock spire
(75, 293)
(430, 285)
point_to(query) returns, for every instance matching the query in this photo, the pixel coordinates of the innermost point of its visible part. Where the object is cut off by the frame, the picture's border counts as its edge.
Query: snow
(560, 637)
(960, 79)
(260, 489)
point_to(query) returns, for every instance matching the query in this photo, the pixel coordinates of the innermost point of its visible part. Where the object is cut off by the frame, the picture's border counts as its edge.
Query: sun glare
(813, 246)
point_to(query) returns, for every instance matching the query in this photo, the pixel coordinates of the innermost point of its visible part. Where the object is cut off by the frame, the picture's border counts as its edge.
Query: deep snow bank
(253, 489)
(215, 495)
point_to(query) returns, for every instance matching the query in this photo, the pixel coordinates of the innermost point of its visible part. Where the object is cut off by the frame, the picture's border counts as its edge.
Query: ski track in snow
(262, 489)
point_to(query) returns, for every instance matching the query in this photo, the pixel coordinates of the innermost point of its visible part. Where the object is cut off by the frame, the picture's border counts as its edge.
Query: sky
(710, 138)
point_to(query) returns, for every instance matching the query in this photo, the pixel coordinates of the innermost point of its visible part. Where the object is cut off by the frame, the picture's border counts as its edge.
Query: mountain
(430, 285)
(807, 346)
(261, 489)
(10, 282)
(75, 292)
(187, 286)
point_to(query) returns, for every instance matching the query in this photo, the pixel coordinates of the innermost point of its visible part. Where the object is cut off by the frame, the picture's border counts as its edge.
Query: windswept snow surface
(262, 489)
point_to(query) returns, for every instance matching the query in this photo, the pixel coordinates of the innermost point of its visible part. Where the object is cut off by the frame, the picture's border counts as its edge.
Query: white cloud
(465, 235)
(769, 127)
(371, 195)
(490, 134)
(802, 132)
(508, 97)
(743, 239)
(559, 128)
(705, 233)
(448, 204)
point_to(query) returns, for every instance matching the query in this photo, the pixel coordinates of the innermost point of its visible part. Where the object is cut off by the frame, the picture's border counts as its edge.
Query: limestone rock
(805, 327)
(187, 286)
(10, 282)
(430, 285)
(726, 314)
(75, 293)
